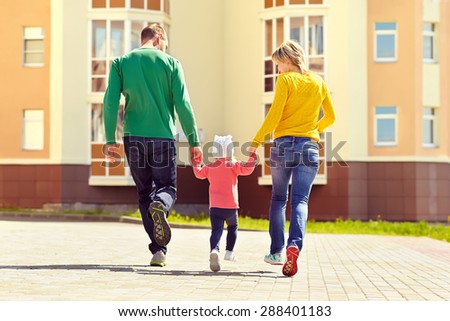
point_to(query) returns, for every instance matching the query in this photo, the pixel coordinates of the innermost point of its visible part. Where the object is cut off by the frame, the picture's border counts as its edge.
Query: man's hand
(111, 152)
(196, 154)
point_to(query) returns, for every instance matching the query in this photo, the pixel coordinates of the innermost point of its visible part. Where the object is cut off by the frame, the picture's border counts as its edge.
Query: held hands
(196, 154)
(251, 150)
(252, 156)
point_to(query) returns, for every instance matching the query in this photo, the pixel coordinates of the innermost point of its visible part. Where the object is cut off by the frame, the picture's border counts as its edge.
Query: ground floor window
(33, 129)
(429, 132)
(99, 165)
(265, 162)
(386, 126)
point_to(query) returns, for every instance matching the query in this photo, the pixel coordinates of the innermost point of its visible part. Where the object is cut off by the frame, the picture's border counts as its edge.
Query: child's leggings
(218, 216)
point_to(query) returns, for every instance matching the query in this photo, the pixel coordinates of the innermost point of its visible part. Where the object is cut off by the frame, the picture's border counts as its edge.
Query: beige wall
(22, 88)
(444, 49)
(243, 73)
(197, 40)
(70, 117)
(346, 52)
(431, 80)
(222, 59)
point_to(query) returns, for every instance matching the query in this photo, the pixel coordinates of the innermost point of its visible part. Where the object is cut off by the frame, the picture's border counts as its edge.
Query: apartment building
(386, 156)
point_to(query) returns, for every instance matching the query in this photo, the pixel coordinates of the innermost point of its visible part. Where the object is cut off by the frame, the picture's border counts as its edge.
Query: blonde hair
(290, 51)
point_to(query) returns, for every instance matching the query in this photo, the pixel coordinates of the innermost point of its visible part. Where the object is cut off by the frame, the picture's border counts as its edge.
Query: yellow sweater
(295, 108)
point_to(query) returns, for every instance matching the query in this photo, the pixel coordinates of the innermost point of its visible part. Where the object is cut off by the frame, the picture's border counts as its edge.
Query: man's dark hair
(151, 32)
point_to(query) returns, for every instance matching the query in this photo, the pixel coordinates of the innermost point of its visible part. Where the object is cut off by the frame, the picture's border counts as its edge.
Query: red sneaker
(290, 267)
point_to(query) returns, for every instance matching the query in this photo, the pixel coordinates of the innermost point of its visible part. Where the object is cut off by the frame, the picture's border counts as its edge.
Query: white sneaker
(214, 262)
(229, 256)
(275, 259)
(158, 259)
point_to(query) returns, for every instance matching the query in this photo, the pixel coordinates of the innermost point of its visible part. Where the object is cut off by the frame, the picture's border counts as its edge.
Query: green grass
(339, 226)
(379, 227)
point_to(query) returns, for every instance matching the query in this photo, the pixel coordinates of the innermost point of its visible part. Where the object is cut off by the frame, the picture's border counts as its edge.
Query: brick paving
(79, 261)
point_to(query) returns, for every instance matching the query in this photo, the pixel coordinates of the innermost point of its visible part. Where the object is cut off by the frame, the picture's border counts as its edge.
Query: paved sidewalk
(41, 260)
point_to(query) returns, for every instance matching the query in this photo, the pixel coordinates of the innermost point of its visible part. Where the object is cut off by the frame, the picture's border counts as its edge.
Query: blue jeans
(218, 216)
(153, 167)
(296, 158)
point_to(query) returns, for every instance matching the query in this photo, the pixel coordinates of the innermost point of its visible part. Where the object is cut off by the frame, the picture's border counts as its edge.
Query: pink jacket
(222, 176)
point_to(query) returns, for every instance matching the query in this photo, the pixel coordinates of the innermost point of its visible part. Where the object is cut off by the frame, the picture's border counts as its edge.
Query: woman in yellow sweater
(294, 120)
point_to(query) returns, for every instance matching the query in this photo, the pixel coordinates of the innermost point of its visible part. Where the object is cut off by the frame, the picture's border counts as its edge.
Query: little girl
(223, 195)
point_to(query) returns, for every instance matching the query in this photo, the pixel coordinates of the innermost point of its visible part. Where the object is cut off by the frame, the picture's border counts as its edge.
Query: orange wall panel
(396, 83)
(23, 88)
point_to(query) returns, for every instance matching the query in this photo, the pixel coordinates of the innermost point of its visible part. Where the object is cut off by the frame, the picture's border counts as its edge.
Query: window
(308, 31)
(156, 5)
(109, 39)
(98, 65)
(429, 127)
(429, 42)
(274, 29)
(33, 130)
(107, 44)
(97, 127)
(278, 3)
(385, 126)
(33, 47)
(98, 165)
(315, 44)
(273, 3)
(385, 41)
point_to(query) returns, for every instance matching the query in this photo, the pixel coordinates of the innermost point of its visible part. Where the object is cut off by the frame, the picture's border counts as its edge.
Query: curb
(73, 217)
(58, 217)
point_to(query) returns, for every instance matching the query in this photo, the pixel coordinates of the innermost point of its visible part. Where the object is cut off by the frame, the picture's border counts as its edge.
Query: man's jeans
(296, 157)
(152, 164)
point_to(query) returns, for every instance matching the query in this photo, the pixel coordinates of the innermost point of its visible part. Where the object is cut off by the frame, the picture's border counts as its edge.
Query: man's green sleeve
(111, 102)
(183, 106)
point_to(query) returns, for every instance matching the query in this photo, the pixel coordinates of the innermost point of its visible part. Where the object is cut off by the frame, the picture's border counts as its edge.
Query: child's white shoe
(214, 262)
(229, 256)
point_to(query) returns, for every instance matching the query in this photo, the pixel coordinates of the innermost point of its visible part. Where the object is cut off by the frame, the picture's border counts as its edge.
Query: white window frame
(33, 33)
(386, 116)
(432, 34)
(433, 118)
(33, 129)
(385, 33)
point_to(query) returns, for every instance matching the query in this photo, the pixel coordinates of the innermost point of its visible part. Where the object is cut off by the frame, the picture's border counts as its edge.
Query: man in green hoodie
(154, 88)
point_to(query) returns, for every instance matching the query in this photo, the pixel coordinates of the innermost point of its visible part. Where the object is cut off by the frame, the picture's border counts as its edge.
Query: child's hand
(251, 150)
(196, 156)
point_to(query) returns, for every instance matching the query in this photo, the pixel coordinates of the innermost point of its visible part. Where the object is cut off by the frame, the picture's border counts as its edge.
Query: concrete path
(84, 261)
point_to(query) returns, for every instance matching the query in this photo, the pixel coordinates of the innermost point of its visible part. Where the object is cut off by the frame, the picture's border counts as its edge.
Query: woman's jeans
(296, 158)
(218, 216)
(153, 167)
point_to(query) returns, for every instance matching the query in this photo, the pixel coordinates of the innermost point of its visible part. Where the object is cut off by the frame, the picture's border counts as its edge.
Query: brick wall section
(395, 191)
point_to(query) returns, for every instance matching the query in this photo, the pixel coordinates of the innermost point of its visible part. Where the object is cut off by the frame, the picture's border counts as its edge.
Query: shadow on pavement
(140, 269)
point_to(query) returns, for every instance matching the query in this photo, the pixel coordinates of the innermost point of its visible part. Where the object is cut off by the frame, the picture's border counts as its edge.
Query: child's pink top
(222, 176)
